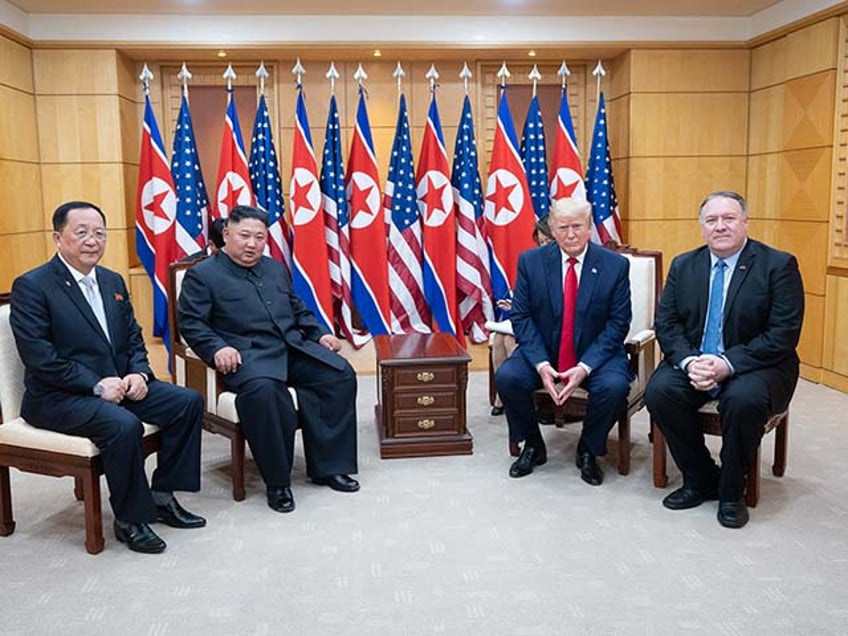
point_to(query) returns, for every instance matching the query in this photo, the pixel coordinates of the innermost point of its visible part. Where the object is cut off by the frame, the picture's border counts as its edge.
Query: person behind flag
(600, 185)
(570, 314)
(87, 374)
(473, 280)
(408, 307)
(267, 185)
(192, 201)
(534, 159)
(214, 243)
(238, 312)
(509, 207)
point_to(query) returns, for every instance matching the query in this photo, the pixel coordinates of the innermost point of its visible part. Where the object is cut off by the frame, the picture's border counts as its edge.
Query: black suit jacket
(253, 310)
(602, 316)
(59, 339)
(763, 310)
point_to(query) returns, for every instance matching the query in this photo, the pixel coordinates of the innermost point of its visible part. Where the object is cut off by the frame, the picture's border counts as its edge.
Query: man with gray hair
(570, 314)
(728, 324)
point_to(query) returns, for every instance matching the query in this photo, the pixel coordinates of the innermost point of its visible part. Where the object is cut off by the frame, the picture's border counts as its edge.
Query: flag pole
(503, 75)
(332, 74)
(184, 76)
(599, 72)
(262, 74)
(229, 75)
(360, 76)
(564, 72)
(465, 75)
(398, 75)
(432, 75)
(145, 76)
(535, 76)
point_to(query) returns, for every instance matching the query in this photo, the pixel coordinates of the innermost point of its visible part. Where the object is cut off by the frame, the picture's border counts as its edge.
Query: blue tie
(712, 333)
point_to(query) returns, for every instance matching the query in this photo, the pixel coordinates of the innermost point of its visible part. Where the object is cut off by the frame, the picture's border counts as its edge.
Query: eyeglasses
(81, 234)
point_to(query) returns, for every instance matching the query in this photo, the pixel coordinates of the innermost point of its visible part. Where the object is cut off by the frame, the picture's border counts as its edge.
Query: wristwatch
(98, 389)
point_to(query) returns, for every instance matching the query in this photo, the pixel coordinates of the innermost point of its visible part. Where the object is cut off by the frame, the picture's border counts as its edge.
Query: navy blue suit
(255, 311)
(66, 353)
(601, 322)
(763, 312)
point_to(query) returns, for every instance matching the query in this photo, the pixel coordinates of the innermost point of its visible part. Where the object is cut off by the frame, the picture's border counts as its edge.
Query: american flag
(310, 273)
(435, 202)
(474, 285)
(336, 225)
(566, 169)
(599, 182)
(509, 211)
(233, 175)
(267, 186)
(533, 156)
(369, 267)
(408, 308)
(154, 221)
(192, 200)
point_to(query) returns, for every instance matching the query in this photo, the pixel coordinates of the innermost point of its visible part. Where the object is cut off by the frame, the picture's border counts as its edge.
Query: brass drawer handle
(426, 424)
(425, 376)
(426, 400)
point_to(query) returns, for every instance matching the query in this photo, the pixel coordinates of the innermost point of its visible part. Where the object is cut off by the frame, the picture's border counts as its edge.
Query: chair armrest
(642, 354)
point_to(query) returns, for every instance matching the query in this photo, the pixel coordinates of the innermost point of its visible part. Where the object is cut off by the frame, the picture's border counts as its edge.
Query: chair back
(645, 286)
(11, 367)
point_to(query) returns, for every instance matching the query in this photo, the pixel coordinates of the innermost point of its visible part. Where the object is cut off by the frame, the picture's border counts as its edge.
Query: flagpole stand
(421, 395)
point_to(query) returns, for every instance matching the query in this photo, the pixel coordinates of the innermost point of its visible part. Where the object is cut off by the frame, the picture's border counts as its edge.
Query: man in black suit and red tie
(570, 314)
(87, 374)
(728, 324)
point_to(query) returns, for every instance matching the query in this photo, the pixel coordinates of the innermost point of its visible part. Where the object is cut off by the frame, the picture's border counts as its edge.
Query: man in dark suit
(87, 374)
(213, 244)
(238, 313)
(570, 314)
(728, 324)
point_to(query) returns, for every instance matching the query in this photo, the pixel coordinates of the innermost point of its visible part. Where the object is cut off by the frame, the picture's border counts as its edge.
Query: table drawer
(416, 424)
(421, 399)
(415, 377)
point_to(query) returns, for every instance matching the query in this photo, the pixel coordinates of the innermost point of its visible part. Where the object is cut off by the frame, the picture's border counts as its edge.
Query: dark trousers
(327, 414)
(608, 387)
(745, 403)
(117, 431)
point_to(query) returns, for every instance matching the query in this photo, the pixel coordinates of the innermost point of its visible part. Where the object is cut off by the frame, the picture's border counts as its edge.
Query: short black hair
(60, 215)
(216, 232)
(248, 212)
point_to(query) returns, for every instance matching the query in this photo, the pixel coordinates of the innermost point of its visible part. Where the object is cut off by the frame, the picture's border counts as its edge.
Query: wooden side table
(421, 383)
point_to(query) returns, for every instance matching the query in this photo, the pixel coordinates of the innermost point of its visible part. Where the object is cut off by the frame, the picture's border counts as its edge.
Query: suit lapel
(586, 288)
(553, 279)
(740, 273)
(703, 265)
(65, 281)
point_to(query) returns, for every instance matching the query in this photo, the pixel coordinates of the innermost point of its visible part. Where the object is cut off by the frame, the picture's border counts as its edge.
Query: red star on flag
(233, 194)
(433, 197)
(155, 206)
(501, 196)
(300, 196)
(565, 190)
(359, 199)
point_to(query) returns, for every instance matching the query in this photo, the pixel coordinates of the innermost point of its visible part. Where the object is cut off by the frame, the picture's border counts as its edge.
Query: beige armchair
(42, 452)
(640, 344)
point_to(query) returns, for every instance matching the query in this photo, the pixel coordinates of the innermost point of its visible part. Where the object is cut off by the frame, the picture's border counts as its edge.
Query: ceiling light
(377, 53)
(222, 53)
(531, 53)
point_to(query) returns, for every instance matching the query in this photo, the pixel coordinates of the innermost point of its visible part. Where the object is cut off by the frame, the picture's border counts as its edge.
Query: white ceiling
(381, 7)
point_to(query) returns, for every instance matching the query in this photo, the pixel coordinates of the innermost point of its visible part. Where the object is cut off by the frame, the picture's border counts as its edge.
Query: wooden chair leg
(7, 521)
(237, 444)
(660, 474)
(94, 542)
(79, 494)
(752, 491)
(624, 445)
(781, 435)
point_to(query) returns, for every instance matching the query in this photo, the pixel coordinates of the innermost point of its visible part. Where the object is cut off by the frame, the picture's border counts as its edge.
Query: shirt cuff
(585, 367)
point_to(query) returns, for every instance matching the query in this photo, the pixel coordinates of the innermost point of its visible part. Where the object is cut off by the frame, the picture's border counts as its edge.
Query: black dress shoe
(530, 456)
(688, 497)
(280, 499)
(497, 410)
(174, 515)
(590, 472)
(341, 483)
(139, 537)
(732, 514)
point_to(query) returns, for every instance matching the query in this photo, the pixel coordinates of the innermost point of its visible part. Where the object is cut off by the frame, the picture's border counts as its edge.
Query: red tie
(567, 357)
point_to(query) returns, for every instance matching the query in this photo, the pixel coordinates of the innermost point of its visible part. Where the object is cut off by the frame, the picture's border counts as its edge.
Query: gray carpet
(454, 546)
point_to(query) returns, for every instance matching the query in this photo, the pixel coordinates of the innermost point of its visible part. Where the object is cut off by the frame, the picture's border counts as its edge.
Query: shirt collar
(582, 255)
(731, 260)
(78, 275)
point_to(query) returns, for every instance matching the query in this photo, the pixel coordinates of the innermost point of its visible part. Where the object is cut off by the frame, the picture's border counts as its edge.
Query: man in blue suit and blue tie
(570, 314)
(87, 374)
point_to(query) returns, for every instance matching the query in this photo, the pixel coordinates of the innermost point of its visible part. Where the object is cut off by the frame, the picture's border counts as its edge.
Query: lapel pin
(68, 283)
(594, 271)
(119, 297)
(743, 267)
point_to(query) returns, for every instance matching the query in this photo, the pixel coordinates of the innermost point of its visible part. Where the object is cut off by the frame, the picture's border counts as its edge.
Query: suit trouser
(746, 402)
(117, 432)
(608, 387)
(327, 413)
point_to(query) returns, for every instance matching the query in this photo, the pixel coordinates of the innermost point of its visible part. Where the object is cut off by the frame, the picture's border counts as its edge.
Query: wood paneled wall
(22, 230)
(790, 158)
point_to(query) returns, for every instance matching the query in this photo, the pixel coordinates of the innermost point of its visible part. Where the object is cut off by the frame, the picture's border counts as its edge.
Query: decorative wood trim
(838, 248)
